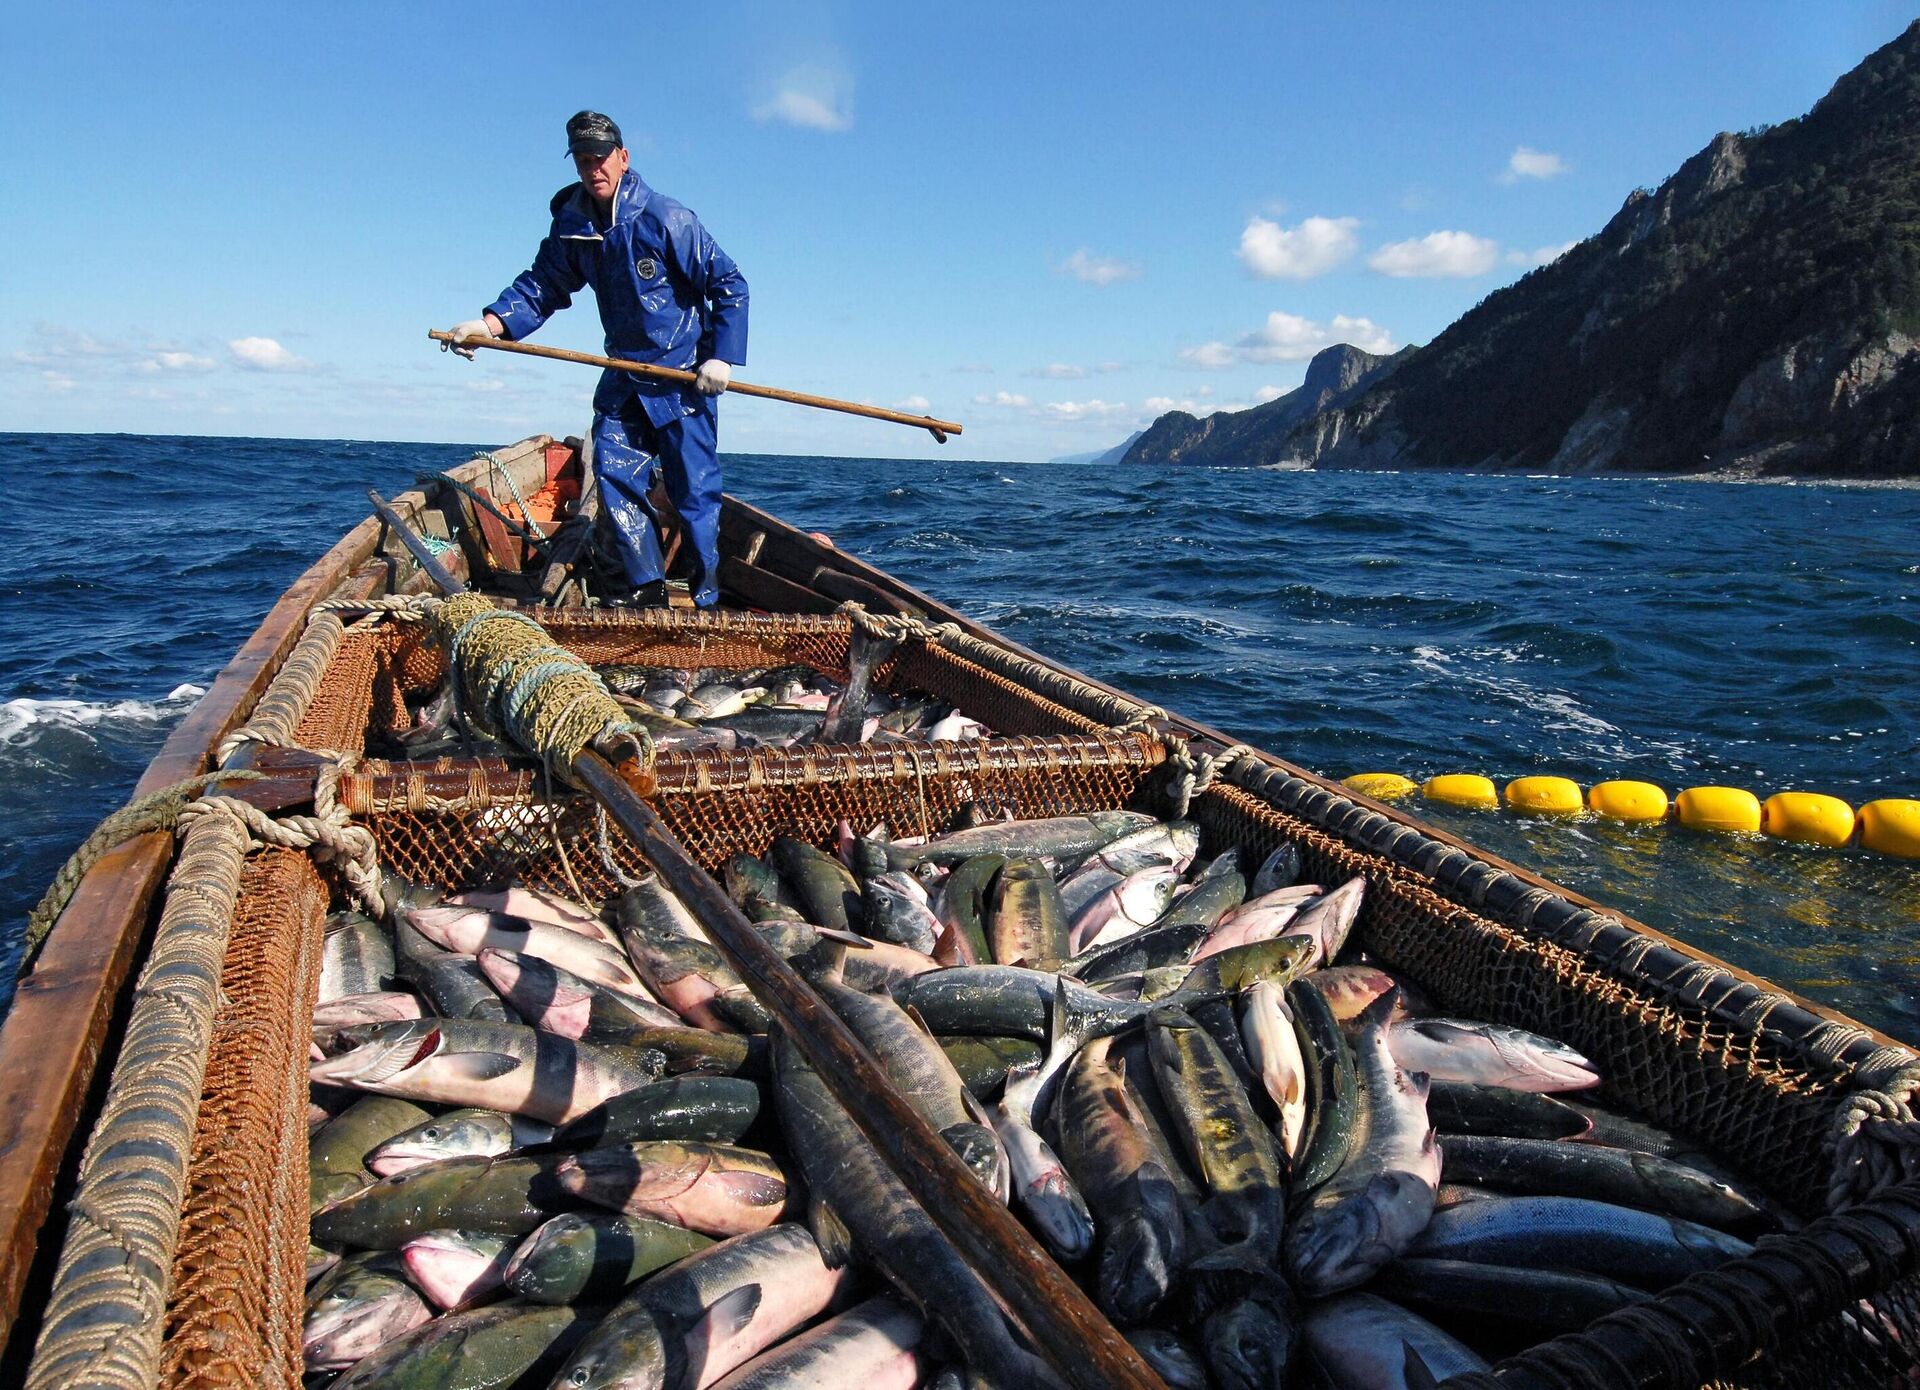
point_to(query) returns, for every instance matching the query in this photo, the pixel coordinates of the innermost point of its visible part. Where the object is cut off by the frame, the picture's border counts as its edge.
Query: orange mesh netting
(234, 1313)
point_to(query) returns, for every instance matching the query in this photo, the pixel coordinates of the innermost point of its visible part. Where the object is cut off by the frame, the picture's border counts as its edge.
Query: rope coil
(511, 677)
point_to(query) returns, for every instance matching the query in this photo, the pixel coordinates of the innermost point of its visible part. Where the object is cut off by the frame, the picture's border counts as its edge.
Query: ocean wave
(25, 718)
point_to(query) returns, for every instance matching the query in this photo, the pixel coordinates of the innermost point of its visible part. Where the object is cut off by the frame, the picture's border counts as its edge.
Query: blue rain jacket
(668, 294)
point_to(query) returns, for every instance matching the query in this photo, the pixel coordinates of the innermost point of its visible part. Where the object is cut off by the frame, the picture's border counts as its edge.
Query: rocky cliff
(1759, 309)
(1261, 435)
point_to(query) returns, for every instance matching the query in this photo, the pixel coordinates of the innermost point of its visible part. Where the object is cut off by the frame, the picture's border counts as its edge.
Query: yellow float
(1381, 786)
(1891, 827)
(1545, 796)
(1627, 801)
(1718, 808)
(1807, 818)
(1467, 789)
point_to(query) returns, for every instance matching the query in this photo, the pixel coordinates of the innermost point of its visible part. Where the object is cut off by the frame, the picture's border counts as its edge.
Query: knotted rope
(1876, 1136)
(329, 834)
(512, 678)
(1194, 773)
(160, 810)
(403, 608)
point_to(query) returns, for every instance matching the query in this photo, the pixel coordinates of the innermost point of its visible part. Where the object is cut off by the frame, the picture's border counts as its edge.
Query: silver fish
(1382, 1196)
(492, 1066)
(1489, 1054)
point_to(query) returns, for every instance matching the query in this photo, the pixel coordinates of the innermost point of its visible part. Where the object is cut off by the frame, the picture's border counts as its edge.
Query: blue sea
(1764, 636)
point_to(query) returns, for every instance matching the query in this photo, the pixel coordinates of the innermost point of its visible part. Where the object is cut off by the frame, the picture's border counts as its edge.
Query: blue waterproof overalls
(668, 295)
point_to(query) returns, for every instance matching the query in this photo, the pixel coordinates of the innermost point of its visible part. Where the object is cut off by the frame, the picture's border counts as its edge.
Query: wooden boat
(195, 1279)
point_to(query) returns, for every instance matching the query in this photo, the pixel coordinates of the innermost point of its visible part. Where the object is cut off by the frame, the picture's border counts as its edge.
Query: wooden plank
(838, 584)
(763, 589)
(55, 1037)
(502, 547)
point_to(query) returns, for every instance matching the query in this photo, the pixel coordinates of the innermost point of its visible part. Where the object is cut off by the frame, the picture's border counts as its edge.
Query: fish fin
(1057, 1015)
(1379, 1013)
(729, 1316)
(1418, 1375)
(912, 1011)
(480, 1066)
(829, 1233)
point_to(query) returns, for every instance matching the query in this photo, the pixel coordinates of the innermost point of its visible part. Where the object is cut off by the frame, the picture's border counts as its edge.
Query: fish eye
(581, 1375)
(430, 1132)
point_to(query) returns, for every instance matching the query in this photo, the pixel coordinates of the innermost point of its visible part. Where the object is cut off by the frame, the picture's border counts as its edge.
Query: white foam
(20, 717)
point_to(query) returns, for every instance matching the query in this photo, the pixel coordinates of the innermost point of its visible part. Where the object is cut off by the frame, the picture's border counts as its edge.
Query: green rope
(155, 811)
(511, 677)
(533, 537)
(514, 488)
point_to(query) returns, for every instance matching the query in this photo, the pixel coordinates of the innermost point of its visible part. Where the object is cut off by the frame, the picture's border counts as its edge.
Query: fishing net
(461, 827)
(234, 1311)
(363, 694)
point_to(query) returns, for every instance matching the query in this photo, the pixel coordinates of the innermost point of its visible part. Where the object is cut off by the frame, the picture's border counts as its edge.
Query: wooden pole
(1067, 1329)
(939, 429)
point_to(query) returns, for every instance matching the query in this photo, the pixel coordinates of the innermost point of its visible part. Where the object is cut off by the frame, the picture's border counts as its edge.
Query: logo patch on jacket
(646, 267)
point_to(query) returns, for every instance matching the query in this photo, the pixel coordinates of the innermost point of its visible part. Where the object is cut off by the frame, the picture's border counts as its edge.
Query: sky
(1047, 222)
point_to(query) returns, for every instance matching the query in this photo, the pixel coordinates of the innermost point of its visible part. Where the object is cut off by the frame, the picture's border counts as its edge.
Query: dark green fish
(1333, 1090)
(1065, 840)
(986, 1065)
(922, 1073)
(508, 1344)
(1458, 1108)
(706, 1109)
(1139, 1216)
(1554, 1168)
(492, 1196)
(964, 902)
(576, 1258)
(1029, 922)
(1547, 1301)
(828, 893)
(337, 1153)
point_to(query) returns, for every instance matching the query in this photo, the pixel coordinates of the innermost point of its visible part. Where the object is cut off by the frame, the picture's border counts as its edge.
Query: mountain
(1760, 309)
(1113, 455)
(1228, 437)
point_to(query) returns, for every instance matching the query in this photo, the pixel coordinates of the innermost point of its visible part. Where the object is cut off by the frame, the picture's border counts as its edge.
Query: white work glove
(472, 328)
(713, 377)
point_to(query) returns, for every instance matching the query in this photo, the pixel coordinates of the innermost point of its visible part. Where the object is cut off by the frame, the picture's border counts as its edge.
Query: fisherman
(669, 296)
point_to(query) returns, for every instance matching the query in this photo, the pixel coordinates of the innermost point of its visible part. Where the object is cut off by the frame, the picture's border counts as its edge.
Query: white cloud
(1010, 399)
(1072, 412)
(813, 98)
(1107, 368)
(1313, 248)
(1524, 163)
(177, 362)
(1090, 269)
(1208, 356)
(265, 355)
(1437, 255)
(1545, 255)
(1291, 338)
(975, 368)
(913, 403)
(1057, 371)
(56, 382)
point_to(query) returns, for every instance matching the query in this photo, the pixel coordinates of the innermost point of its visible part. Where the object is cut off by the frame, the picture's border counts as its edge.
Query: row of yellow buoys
(1888, 827)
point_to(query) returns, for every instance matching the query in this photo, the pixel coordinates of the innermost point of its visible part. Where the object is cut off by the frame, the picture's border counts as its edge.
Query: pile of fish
(726, 708)
(564, 1145)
